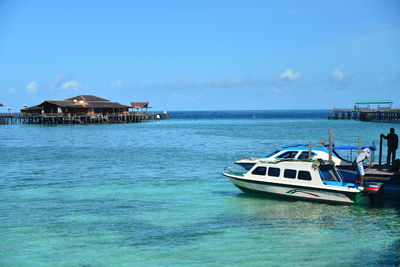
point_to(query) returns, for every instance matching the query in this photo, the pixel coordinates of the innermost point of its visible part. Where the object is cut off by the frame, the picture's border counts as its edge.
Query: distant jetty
(374, 111)
(82, 109)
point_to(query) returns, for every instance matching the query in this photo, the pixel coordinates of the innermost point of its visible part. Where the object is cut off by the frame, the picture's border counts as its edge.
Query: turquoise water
(152, 194)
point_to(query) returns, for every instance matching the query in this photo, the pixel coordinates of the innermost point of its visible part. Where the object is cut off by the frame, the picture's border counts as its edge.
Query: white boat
(302, 179)
(301, 152)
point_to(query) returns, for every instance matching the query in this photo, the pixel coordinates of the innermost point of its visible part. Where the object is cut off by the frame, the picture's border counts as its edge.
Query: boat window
(287, 155)
(288, 173)
(274, 172)
(271, 154)
(328, 173)
(259, 171)
(304, 155)
(304, 175)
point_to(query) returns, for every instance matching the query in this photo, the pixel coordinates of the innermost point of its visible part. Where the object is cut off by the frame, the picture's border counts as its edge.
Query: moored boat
(316, 180)
(303, 152)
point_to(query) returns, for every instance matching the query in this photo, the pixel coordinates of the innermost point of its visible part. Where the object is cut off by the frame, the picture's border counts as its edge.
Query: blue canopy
(353, 147)
(374, 102)
(305, 146)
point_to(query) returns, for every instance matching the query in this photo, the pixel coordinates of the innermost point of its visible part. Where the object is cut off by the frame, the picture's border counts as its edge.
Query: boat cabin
(301, 152)
(302, 179)
(299, 172)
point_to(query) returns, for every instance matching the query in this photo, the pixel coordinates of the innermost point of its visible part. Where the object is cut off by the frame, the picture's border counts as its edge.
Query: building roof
(87, 98)
(140, 105)
(37, 107)
(374, 102)
(85, 101)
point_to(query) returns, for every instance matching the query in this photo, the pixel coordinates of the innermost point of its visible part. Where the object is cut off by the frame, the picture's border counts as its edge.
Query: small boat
(316, 180)
(302, 152)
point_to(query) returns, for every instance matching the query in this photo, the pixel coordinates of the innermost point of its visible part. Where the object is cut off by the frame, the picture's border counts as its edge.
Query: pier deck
(366, 114)
(380, 172)
(54, 119)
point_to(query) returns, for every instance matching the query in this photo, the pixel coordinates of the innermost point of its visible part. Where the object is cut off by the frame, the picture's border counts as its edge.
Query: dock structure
(50, 119)
(83, 109)
(375, 111)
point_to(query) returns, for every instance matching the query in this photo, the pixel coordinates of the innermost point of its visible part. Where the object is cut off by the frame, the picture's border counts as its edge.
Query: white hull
(292, 191)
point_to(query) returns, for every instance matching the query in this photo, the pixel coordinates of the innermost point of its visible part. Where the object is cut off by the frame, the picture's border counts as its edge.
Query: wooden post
(359, 145)
(380, 150)
(330, 145)
(309, 150)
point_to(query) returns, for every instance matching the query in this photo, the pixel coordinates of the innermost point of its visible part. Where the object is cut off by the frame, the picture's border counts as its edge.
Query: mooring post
(330, 145)
(309, 149)
(380, 150)
(359, 145)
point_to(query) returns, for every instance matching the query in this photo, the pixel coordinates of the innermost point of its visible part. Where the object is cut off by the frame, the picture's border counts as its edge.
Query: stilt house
(88, 105)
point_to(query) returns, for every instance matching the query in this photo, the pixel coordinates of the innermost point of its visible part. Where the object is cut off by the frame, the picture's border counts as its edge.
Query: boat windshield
(287, 155)
(304, 155)
(271, 154)
(328, 173)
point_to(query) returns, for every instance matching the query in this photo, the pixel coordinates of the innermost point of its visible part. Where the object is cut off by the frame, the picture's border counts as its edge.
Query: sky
(201, 55)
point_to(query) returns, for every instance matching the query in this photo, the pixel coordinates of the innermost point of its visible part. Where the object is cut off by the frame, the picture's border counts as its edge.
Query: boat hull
(293, 191)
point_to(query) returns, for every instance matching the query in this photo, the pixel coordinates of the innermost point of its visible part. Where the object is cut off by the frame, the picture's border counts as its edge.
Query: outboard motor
(373, 190)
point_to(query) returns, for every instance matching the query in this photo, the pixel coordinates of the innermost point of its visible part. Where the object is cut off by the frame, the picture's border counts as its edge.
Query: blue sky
(201, 55)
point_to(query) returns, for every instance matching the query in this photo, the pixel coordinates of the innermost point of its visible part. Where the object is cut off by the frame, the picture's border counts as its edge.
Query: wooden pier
(54, 119)
(81, 109)
(392, 115)
(381, 116)
(378, 114)
(345, 114)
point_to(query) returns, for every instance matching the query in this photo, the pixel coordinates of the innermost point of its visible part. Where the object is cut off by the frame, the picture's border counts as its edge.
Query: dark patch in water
(90, 265)
(225, 193)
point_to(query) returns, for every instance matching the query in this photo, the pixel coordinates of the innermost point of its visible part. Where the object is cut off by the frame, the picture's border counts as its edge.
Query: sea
(152, 194)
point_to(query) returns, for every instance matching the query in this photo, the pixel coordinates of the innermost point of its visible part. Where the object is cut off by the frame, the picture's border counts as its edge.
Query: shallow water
(153, 194)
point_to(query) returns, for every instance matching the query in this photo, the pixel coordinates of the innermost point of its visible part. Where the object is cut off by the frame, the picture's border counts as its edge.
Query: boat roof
(324, 148)
(320, 161)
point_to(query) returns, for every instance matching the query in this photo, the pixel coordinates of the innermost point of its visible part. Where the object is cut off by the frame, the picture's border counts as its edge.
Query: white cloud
(290, 75)
(338, 74)
(69, 85)
(32, 87)
(117, 83)
(65, 83)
